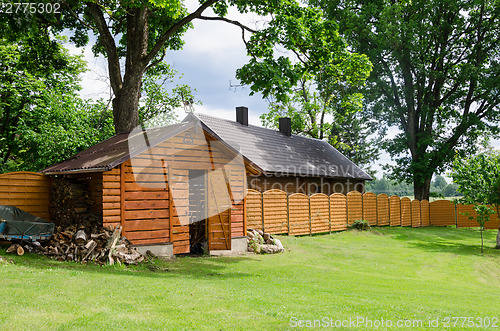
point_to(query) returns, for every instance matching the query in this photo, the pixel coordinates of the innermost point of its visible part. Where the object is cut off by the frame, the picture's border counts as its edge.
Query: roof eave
(76, 171)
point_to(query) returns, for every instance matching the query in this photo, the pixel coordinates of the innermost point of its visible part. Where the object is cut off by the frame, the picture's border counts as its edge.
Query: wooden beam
(122, 199)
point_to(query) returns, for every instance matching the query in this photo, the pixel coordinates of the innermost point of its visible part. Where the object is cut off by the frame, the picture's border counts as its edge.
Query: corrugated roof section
(276, 153)
(115, 150)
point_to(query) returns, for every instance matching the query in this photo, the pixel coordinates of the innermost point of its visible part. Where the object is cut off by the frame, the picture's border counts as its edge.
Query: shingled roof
(270, 151)
(277, 154)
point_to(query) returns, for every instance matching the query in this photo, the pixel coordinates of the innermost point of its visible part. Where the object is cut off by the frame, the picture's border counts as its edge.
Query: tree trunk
(421, 190)
(126, 105)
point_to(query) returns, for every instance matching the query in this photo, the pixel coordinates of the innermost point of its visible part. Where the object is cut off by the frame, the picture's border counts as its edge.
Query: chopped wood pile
(98, 244)
(70, 203)
(263, 243)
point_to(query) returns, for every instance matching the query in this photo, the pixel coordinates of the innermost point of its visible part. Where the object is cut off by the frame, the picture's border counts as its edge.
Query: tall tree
(436, 76)
(43, 120)
(34, 85)
(316, 83)
(134, 36)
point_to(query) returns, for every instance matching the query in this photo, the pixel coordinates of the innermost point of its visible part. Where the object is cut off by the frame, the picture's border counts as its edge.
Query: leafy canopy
(313, 79)
(435, 76)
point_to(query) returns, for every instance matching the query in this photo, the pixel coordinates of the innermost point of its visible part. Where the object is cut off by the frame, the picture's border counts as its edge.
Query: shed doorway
(198, 211)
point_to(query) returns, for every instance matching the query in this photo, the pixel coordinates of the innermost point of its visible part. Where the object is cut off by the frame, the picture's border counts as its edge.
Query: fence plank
(254, 209)
(370, 208)
(354, 207)
(338, 211)
(442, 213)
(424, 212)
(28, 191)
(494, 222)
(405, 212)
(394, 211)
(320, 213)
(463, 220)
(275, 211)
(299, 214)
(382, 209)
(416, 220)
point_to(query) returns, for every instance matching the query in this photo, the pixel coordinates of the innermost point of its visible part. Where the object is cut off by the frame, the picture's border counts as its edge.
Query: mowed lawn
(387, 273)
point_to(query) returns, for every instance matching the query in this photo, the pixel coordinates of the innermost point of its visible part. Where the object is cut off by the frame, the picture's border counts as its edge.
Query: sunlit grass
(390, 273)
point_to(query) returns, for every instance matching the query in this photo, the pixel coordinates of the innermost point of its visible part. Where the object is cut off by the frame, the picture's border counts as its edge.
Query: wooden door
(219, 211)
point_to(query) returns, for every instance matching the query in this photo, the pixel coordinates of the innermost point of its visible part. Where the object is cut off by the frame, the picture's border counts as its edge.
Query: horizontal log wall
(28, 191)
(155, 198)
(299, 214)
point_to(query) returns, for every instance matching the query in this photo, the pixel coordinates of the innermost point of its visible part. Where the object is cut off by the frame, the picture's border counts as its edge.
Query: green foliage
(138, 33)
(435, 76)
(43, 120)
(316, 83)
(389, 187)
(439, 182)
(361, 225)
(158, 103)
(478, 178)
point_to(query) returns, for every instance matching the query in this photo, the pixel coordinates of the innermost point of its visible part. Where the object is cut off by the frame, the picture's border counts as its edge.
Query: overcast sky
(208, 61)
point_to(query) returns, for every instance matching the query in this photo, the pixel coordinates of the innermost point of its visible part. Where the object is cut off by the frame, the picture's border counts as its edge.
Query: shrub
(361, 225)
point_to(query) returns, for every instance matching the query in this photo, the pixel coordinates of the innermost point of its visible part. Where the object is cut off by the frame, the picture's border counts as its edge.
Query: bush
(361, 225)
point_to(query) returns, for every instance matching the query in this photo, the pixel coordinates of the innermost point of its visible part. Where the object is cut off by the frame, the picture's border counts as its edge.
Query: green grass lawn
(389, 273)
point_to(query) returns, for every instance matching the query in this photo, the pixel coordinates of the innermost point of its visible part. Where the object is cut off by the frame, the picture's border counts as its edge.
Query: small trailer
(19, 225)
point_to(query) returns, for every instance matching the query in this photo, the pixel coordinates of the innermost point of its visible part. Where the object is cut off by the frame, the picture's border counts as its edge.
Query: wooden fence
(276, 212)
(28, 191)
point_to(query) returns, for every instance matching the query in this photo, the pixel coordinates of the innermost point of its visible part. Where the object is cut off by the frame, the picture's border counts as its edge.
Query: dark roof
(268, 150)
(276, 153)
(115, 150)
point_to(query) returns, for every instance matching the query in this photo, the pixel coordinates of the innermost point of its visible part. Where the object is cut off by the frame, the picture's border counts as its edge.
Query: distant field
(394, 274)
(431, 199)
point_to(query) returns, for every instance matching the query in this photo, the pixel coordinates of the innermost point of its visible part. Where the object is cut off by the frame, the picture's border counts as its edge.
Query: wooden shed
(167, 187)
(174, 187)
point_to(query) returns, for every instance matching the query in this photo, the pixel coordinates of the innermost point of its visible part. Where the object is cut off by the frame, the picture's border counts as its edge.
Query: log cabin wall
(305, 185)
(111, 206)
(153, 205)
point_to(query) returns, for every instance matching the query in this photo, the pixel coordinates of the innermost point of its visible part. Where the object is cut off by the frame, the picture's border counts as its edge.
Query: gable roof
(267, 150)
(277, 154)
(115, 150)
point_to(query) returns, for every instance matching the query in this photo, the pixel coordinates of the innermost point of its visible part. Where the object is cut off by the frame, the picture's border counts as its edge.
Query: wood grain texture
(28, 191)
(354, 207)
(416, 220)
(370, 208)
(382, 209)
(394, 211)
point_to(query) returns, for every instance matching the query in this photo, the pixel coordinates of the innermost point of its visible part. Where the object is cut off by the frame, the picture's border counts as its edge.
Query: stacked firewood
(98, 245)
(70, 203)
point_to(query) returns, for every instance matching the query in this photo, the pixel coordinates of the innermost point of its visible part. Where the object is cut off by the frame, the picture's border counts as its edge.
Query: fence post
(456, 217)
(310, 221)
(262, 208)
(346, 212)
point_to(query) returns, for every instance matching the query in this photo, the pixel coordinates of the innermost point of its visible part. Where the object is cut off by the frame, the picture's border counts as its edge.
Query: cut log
(80, 237)
(15, 249)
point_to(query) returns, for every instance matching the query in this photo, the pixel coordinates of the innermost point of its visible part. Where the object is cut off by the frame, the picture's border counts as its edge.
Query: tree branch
(78, 18)
(223, 19)
(108, 42)
(173, 29)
